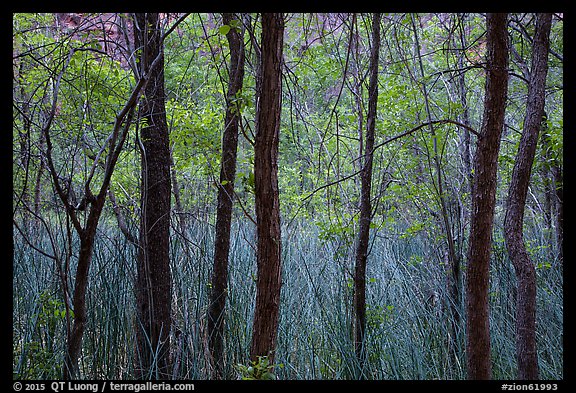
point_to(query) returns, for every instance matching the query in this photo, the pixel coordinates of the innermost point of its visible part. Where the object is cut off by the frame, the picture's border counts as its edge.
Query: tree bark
(269, 281)
(153, 286)
(484, 199)
(365, 202)
(526, 353)
(93, 204)
(216, 314)
(87, 238)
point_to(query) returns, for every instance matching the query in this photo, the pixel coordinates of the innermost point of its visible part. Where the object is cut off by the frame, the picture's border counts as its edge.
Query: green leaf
(236, 23)
(224, 29)
(268, 376)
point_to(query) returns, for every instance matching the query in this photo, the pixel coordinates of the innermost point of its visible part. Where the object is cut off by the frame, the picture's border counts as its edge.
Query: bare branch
(446, 121)
(121, 220)
(124, 117)
(180, 20)
(392, 139)
(45, 128)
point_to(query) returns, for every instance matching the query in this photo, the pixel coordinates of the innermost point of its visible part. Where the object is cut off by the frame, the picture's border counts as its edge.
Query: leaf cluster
(260, 369)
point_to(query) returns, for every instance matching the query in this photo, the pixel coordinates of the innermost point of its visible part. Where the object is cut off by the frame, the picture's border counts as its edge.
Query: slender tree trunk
(225, 198)
(465, 116)
(453, 267)
(87, 238)
(94, 204)
(153, 286)
(24, 139)
(365, 202)
(484, 199)
(526, 354)
(38, 180)
(269, 281)
(553, 189)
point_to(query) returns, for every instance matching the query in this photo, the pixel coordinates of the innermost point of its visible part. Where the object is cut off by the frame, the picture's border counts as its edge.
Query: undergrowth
(409, 332)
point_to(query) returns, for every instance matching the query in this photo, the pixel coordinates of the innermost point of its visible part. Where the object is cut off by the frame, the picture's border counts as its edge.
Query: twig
(392, 139)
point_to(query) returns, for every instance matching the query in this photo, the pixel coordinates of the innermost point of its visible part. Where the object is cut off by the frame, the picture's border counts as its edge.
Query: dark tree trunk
(153, 286)
(484, 199)
(365, 203)
(526, 354)
(87, 238)
(24, 139)
(93, 203)
(269, 281)
(225, 198)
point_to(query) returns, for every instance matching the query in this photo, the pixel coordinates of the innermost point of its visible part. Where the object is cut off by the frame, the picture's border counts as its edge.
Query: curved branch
(392, 139)
(439, 122)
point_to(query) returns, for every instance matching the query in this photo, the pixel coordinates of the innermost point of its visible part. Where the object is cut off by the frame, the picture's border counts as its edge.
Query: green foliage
(319, 159)
(224, 29)
(413, 229)
(554, 132)
(377, 316)
(52, 311)
(260, 369)
(336, 231)
(38, 356)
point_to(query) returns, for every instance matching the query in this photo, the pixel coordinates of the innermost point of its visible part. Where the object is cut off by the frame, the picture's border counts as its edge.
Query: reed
(407, 330)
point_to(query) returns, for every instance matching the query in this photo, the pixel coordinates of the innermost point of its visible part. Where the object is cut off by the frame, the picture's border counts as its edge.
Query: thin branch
(32, 245)
(392, 139)
(332, 183)
(445, 121)
(180, 20)
(522, 30)
(45, 128)
(121, 219)
(127, 111)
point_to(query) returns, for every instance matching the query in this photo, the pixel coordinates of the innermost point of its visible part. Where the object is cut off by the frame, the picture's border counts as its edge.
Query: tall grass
(408, 326)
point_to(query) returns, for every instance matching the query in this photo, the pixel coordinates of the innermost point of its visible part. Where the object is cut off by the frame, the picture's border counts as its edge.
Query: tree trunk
(526, 354)
(268, 283)
(365, 203)
(484, 199)
(38, 181)
(94, 204)
(453, 276)
(153, 286)
(464, 144)
(87, 238)
(225, 198)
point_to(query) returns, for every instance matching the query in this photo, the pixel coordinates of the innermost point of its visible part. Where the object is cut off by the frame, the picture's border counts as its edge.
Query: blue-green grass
(407, 335)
